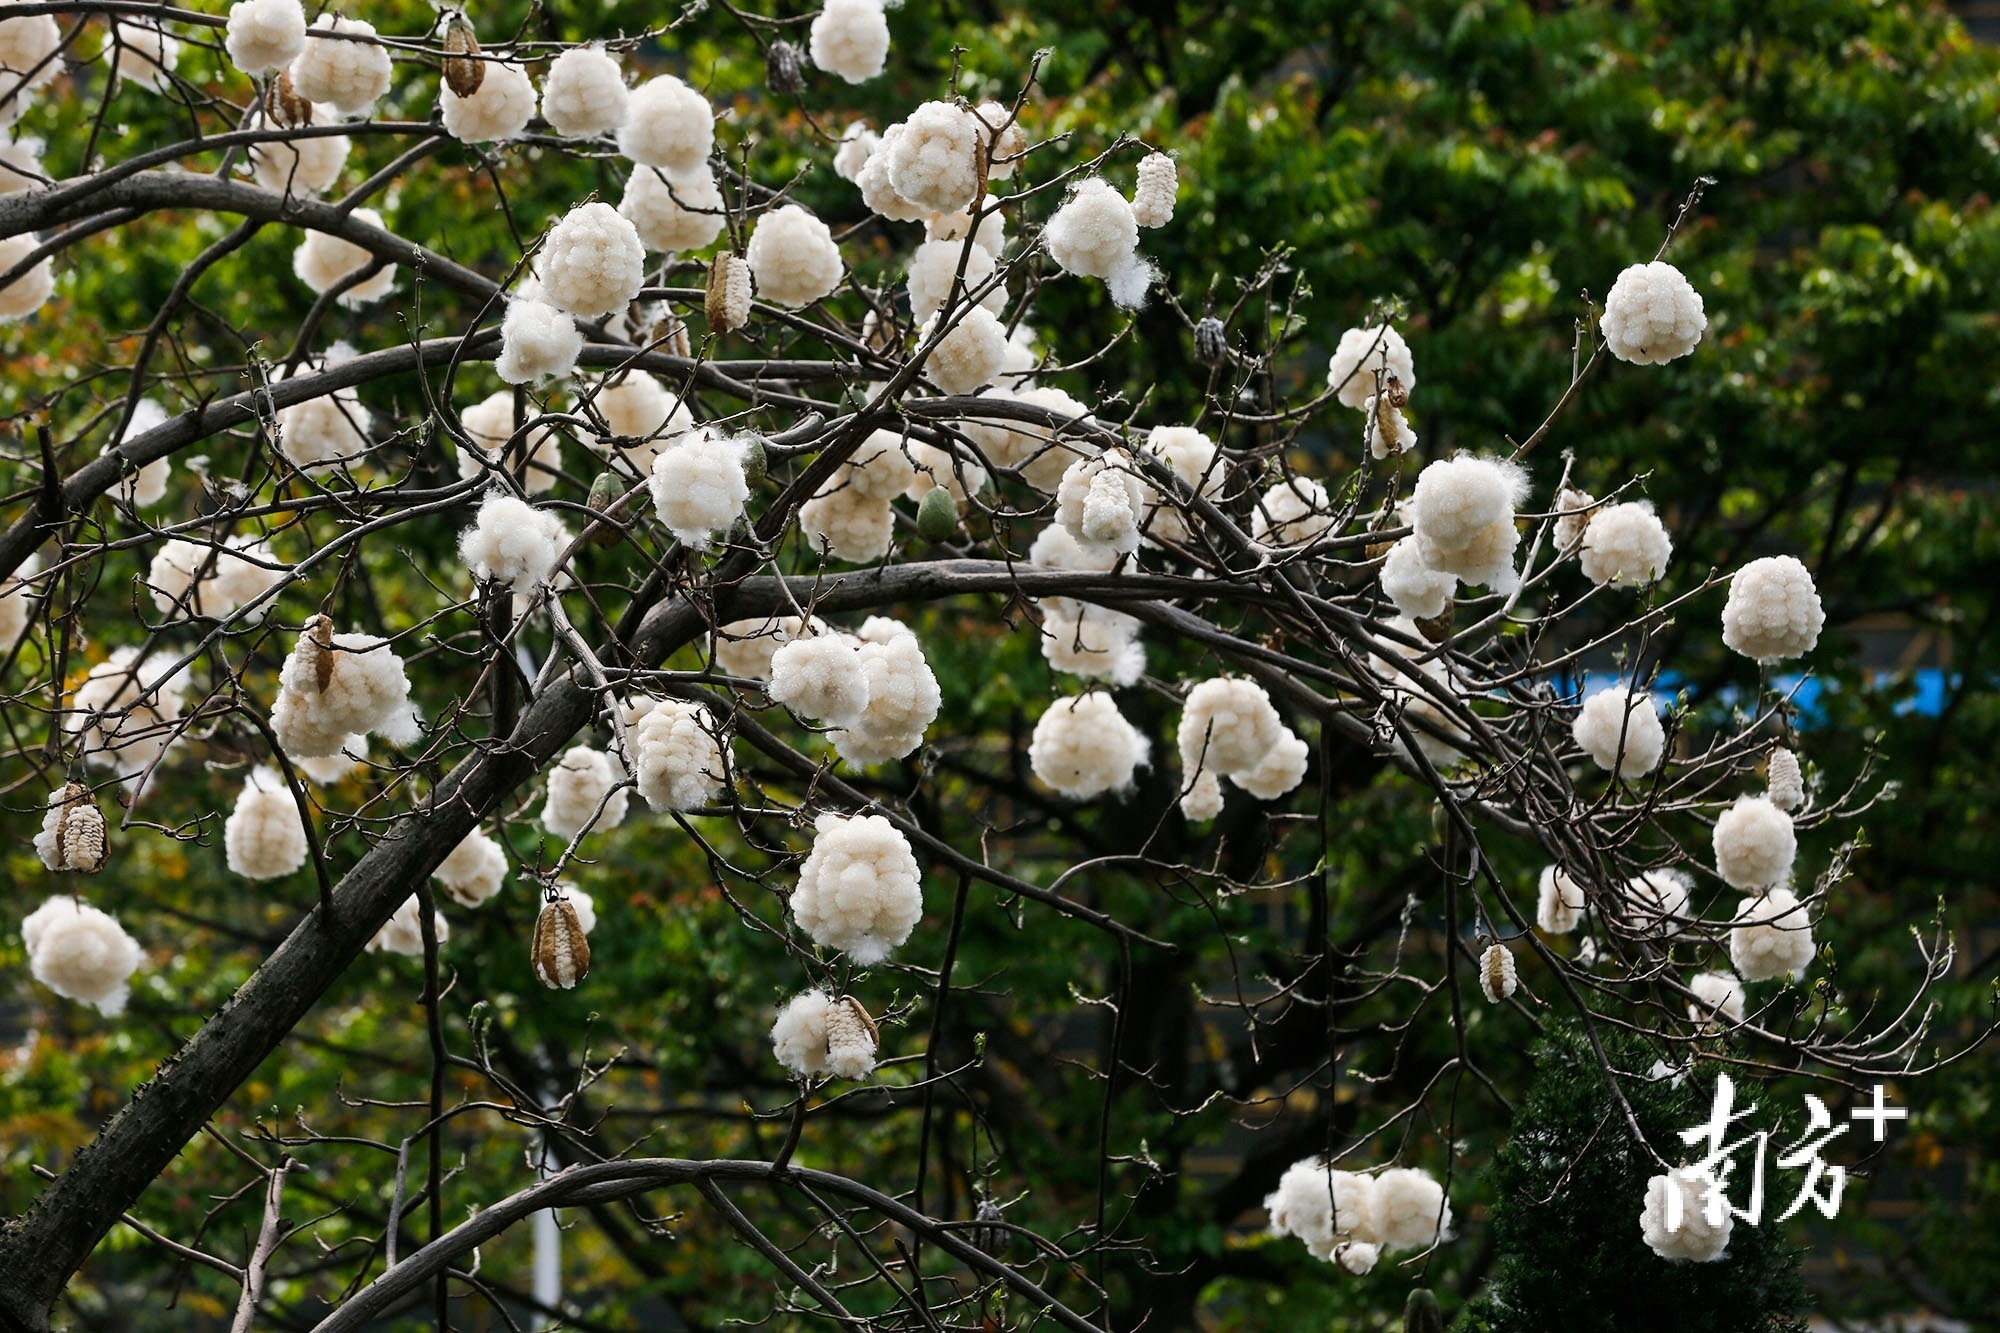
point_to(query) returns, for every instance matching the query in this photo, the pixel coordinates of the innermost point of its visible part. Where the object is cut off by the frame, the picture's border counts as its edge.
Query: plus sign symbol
(1880, 1113)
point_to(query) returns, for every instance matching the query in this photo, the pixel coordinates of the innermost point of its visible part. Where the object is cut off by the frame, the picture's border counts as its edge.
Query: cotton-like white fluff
(1153, 197)
(264, 35)
(1084, 747)
(592, 262)
(744, 647)
(970, 353)
(351, 76)
(823, 677)
(1497, 976)
(1410, 1208)
(989, 234)
(1619, 727)
(1192, 457)
(1097, 644)
(474, 871)
(17, 598)
(1294, 512)
(31, 291)
(903, 696)
(938, 160)
(679, 763)
(584, 93)
(639, 407)
(513, 541)
(936, 465)
(499, 109)
(366, 690)
(793, 258)
(1689, 1237)
(1652, 315)
(537, 341)
(1360, 354)
(1202, 800)
(674, 212)
(1100, 501)
(490, 423)
(322, 262)
(1419, 592)
(73, 834)
(698, 484)
(1002, 140)
(818, 1034)
(308, 164)
(1718, 996)
(263, 836)
(328, 769)
(1387, 431)
(850, 38)
(1093, 235)
(122, 714)
(857, 143)
(1784, 785)
(82, 954)
(1226, 725)
(233, 574)
(147, 54)
(324, 432)
(1772, 937)
(583, 781)
(1573, 516)
(1559, 902)
(403, 932)
(1755, 844)
(1773, 612)
(667, 124)
(20, 165)
(1323, 1207)
(1626, 543)
(935, 267)
(878, 191)
(1463, 512)
(1654, 899)
(859, 890)
(1283, 768)
(28, 59)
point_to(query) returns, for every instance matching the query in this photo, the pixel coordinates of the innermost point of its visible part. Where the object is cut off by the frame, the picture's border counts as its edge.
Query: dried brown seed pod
(1438, 628)
(561, 951)
(1496, 973)
(850, 1018)
(1211, 341)
(670, 334)
(316, 650)
(989, 1236)
(283, 106)
(784, 68)
(728, 305)
(1395, 391)
(464, 71)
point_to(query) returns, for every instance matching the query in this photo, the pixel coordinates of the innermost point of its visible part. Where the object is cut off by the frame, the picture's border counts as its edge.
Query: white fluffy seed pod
(1626, 543)
(146, 55)
(1094, 233)
(1573, 516)
(744, 647)
(936, 267)
(989, 235)
(264, 837)
(935, 465)
(639, 407)
(322, 262)
(850, 38)
(328, 769)
(1784, 785)
(819, 1034)
(1718, 999)
(1100, 501)
(667, 125)
(674, 213)
(878, 192)
(1283, 768)
(490, 423)
(698, 485)
(1653, 900)
(1153, 198)
(1497, 977)
(325, 432)
(81, 954)
(233, 574)
(1294, 512)
(403, 932)
(32, 290)
(1652, 315)
(348, 75)
(584, 93)
(822, 677)
(583, 783)
(1003, 140)
(1098, 644)
(1323, 1207)
(20, 165)
(1463, 512)
(537, 341)
(859, 890)
(1755, 844)
(1203, 798)
(970, 353)
(1559, 902)
(28, 59)
(474, 871)
(592, 262)
(72, 835)
(793, 258)
(264, 35)
(1363, 353)
(1083, 747)
(1419, 592)
(513, 541)
(122, 715)
(938, 160)
(1192, 457)
(1772, 937)
(1674, 1221)
(1773, 612)
(903, 696)
(851, 1039)
(303, 165)
(1226, 726)
(1387, 431)
(679, 762)
(1619, 728)
(857, 144)
(499, 109)
(1411, 1212)
(351, 684)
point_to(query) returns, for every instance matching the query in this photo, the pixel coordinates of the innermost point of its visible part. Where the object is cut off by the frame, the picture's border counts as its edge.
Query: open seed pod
(561, 951)
(464, 71)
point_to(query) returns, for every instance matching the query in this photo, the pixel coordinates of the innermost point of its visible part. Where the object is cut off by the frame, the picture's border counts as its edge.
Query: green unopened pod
(937, 515)
(755, 464)
(605, 494)
(1421, 1313)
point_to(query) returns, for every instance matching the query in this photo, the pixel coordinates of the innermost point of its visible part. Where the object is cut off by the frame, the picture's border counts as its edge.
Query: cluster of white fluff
(327, 769)
(667, 125)
(1498, 977)
(819, 1034)
(584, 92)
(28, 59)
(17, 597)
(822, 676)
(1755, 844)
(1349, 1218)
(969, 354)
(122, 715)
(1687, 1234)
(793, 258)
(674, 212)
(1418, 703)
(851, 517)
(592, 262)
(511, 540)
(1652, 315)
(73, 835)
(857, 144)
(729, 289)
(1153, 196)
(877, 191)
(1559, 902)
(1773, 612)
(1078, 637)
(1573, 515)
(1095, 235)
(859, 890)
(1654, 900)
(938, 465)
(264, 35)
(1230, 728)
(1191, 456)
(1083, 747)
(31, 291)
(490, 423)
(81, 954)
(1784, 784)
(146, 54)
(538, 341)
(264, 838)
(583, 783)
(233, 574)
(1772, 937)
(1038, 453)
(1718, 996)
(1462, 511)
(644, 414)
(1620, 729)
(937, 265)
(850, 38)
(938, 160)
(1291, 513)
(678, 762)
(348, 75)
(1418, 591)
(903, 696)
(306, 165)
(1100, 501)
(322, 262)
(1360, 354)
(1626, 543)
(20, 165)
(699, 486)
(745, 647)
(474, 871)
(324, 432)
(500, 108)
(403, 932)
(366, 691)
